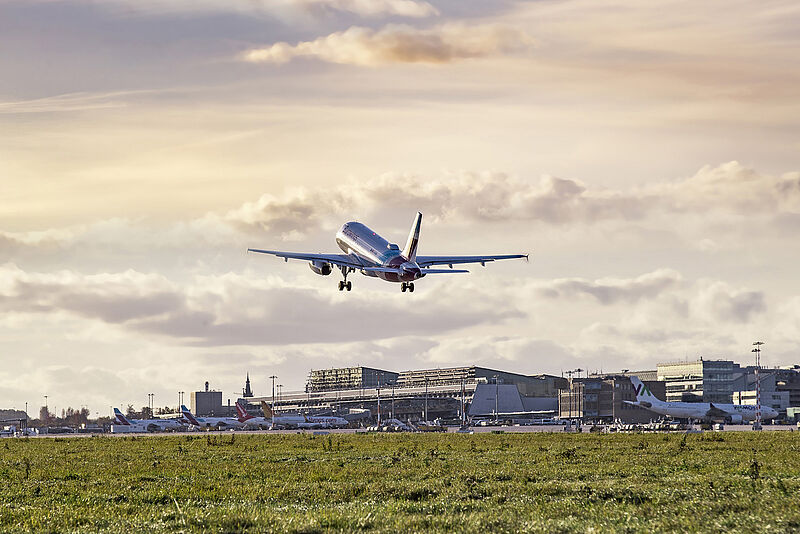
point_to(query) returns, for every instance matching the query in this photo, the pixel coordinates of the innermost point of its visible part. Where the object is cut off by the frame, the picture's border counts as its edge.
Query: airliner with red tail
(372, 255)
(251, 421)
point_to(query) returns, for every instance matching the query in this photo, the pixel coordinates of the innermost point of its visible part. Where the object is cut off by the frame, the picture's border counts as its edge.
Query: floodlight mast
(757, 350)
(273, 377)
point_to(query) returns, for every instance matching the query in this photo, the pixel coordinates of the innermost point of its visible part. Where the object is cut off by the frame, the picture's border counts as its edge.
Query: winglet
(410, 250)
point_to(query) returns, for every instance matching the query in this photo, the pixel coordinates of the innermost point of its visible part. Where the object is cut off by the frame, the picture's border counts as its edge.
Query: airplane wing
(425, 261)
(713, 411)
(337, 259)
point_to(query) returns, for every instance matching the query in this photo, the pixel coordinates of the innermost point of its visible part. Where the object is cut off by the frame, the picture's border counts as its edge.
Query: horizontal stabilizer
(400, 271)
(381, 270)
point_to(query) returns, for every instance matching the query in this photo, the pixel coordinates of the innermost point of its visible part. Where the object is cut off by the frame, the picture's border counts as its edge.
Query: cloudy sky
(644, 153)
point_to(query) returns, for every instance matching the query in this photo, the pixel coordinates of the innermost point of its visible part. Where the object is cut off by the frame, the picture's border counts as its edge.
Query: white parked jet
(327, 421)
(286, 420)
(220, 423)
(251, 421)
(366, 251)
(144, 425)
(700, 411)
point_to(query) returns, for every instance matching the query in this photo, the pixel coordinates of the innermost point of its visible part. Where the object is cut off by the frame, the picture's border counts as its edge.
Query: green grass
(745, 482)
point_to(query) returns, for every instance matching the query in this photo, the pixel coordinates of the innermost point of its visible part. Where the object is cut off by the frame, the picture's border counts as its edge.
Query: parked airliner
(286, 420)
(366, 251)
(700, 411)
(251, 421)
(220, 423)
(145, 425)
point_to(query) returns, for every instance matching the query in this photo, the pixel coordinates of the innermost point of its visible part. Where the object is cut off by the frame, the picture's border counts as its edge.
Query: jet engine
(321, 267)
(734, 419)
(411, 271)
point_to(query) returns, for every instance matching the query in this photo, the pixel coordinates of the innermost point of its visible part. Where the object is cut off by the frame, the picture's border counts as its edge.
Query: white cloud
(610, 291)
(398, 44)
(730, 188)
(718, 301)
(372, 8)
(68, 102)
(238, 310)
(363, 8)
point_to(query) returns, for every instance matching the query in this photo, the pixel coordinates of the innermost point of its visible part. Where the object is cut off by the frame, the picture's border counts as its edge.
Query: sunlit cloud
(67, 102)
(372, 8)
(730, 188)
(398, 44)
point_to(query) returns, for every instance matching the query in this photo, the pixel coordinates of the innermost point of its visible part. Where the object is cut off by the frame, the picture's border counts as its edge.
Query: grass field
(746, 482)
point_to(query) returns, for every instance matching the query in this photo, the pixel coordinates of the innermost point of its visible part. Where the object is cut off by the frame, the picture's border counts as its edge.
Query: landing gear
(407, 285)
(344, 284)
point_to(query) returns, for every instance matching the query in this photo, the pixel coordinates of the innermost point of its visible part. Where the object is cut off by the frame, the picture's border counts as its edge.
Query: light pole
(273, 377)
(46, 408)
(613, 400)
(392, 414)
(379, 402)
(463, 405)
(757, 350)
(426, 399)
(496, 391)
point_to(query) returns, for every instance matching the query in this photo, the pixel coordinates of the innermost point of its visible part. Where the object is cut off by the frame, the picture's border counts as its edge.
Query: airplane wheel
(341, 285)
(349, 286)
(411, 287)
(403, 287)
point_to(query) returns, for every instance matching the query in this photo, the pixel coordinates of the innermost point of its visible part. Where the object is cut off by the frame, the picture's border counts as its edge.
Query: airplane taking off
(707, 411)
(366, 251)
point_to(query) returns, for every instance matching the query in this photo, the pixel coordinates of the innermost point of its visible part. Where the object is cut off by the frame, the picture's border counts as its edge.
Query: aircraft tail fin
(242, 413)
(410, 250)
(188, 415)
(266, 409)
(643, 393)
(121, 418)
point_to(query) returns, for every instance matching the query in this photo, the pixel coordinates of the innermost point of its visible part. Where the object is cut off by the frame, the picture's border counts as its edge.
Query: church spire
(247, 392)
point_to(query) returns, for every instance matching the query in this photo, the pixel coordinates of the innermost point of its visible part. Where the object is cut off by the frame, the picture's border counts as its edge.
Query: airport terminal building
(485, 393)
(422, 394)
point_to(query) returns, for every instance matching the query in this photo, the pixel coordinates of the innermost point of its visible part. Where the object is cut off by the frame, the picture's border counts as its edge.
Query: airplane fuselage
(700, 410)
(370, 249)
(328, 421)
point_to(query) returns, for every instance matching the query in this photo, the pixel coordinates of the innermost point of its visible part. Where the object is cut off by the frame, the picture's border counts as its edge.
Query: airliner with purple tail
(372, 255)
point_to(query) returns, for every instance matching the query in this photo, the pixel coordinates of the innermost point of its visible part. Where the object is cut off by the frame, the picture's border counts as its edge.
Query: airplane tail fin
(643, 393)
(266, 409)
(410, 250)
(188, 415)
(242, 413)
(121, 418)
